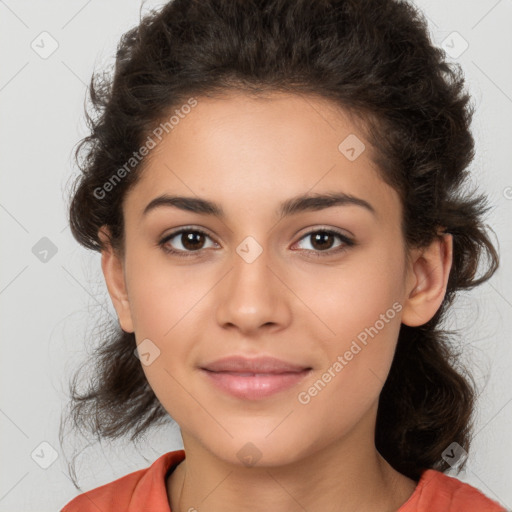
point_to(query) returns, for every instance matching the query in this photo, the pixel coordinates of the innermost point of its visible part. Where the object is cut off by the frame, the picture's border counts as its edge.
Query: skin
(249, 155)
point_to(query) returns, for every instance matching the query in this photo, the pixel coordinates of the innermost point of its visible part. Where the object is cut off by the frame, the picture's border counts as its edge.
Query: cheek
(357, 363)
(164, 295)
(167, 308)
(353, 296)
(359, 309)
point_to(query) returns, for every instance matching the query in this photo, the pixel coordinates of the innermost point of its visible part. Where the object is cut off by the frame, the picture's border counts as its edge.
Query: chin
(254, 448)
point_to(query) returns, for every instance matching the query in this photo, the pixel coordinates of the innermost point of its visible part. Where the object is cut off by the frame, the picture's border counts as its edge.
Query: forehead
(243, 151)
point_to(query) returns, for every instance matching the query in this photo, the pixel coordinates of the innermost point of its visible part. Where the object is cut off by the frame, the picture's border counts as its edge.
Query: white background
(48, 309)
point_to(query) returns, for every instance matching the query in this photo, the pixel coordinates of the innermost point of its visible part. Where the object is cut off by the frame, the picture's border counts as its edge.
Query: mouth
(255, 378)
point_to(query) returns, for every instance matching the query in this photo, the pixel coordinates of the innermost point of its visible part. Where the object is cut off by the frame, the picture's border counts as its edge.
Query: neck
(350, 474)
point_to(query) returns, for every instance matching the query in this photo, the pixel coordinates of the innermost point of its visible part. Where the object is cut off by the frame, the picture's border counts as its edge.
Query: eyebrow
(292, 206)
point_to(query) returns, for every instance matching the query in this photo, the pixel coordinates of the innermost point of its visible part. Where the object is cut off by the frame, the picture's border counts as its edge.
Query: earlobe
(112, 267)
(429, 277)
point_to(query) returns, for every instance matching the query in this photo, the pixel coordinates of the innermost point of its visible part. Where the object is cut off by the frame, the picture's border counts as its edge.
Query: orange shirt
(145, 491)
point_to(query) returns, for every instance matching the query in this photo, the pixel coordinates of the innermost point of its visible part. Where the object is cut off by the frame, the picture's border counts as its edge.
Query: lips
(253, 378)
(240, 364)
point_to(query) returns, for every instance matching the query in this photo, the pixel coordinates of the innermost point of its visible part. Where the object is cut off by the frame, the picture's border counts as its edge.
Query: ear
(427, 281)
(113, 271)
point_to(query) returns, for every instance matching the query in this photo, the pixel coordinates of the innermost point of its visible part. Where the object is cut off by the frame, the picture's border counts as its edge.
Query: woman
(276, 188)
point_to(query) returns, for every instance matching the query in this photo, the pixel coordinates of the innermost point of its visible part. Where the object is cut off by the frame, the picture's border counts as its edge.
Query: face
(321, 288)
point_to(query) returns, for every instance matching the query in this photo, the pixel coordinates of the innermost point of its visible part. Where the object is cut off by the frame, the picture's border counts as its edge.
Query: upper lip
(255, 364)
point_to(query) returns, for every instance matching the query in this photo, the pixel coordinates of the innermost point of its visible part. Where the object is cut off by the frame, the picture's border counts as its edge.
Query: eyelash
(330, 252)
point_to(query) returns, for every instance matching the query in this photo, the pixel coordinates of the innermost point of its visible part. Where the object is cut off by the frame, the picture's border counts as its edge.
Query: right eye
(190, 239)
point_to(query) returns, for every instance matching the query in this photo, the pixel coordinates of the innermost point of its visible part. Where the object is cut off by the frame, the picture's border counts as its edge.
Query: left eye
(322, 240)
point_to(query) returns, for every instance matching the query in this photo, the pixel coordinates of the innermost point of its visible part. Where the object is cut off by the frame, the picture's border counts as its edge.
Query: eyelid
(321, 227)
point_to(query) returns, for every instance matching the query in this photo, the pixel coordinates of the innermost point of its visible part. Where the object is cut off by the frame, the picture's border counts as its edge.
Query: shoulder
(133, 492)
(443, 493)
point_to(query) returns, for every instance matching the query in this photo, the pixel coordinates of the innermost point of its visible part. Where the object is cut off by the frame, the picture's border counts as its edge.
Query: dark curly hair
(374, 59)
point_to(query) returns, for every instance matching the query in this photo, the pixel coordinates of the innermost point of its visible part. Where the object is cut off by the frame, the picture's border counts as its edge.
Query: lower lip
(255, 387)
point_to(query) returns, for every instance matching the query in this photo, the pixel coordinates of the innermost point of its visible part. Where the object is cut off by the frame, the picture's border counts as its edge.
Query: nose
(253, 295)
